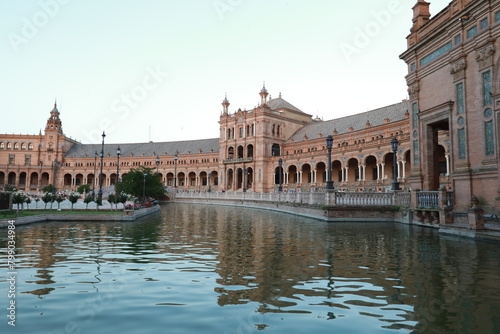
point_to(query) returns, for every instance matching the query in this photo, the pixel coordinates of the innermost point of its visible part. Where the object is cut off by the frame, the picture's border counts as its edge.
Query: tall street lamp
(118, 153)
(244, 179)
(395, 183)
(157, 163)
(99, 194)
(175, 170)
(93, 180)
(280, 175)
(144, 190)
(329, 144)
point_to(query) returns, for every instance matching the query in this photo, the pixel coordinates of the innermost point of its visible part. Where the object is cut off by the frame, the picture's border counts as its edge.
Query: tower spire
(263, 94)
(225, 105)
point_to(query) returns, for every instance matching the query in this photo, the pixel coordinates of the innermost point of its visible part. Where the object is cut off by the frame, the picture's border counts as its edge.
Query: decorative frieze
(484, 56)
(413, 89)
(457, 69)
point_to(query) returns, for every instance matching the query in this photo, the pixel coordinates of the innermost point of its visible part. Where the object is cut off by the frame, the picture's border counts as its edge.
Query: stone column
(404, 169)
(346, 174)
(382, 165)
(447, 164)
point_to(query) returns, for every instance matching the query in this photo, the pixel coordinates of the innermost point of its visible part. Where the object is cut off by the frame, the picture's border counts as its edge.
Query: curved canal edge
(351, 213)
(127, 216)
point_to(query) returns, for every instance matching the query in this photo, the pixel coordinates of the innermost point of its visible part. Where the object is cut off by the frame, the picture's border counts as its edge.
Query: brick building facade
(447, 131)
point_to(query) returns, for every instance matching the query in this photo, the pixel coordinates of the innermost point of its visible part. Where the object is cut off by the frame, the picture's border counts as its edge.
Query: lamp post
(157, 163)
(329, 144)
(395, 183)
(244, 179)
(99, 194)
(280, 176)
(118, 153)
(144, 190)
(93, 180)
(175, 170)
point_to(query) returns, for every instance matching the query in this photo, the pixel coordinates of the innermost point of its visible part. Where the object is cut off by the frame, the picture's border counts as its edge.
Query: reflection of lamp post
(244, 179)
(280, 176)
(93, 180)
(329, 144)
(144, 190)
(175, 170)
(118, 152)
(99, 194)
(395, 183)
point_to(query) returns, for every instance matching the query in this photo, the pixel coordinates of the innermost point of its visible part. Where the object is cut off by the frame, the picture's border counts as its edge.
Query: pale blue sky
(158, 69)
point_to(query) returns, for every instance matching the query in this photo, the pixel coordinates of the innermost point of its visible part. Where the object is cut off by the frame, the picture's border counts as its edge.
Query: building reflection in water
(408, 278)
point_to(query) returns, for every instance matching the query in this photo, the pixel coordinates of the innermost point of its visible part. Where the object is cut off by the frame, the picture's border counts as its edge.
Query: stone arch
(240, 152)
(337, 171)
(78, 179)
(371, 170)
(353, 171)
(67, 179)
(292, 174)
(320, 172)
(229, 179)
(11, 178)
(192, 179)
(33, 180)
(249, 151)
(181, 178)
(306, 173)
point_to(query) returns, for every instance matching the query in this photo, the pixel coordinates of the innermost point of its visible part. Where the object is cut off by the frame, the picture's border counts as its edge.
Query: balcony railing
(238, 160)
(311, 198)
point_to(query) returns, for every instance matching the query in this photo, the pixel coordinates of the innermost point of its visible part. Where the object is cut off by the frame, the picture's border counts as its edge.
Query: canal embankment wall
(338, 213)
(126, 216)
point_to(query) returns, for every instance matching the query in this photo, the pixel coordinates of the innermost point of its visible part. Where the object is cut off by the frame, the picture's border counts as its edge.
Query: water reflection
(212, 265)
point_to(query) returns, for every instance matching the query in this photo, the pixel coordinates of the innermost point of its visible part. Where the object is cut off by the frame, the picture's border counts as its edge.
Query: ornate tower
(263, 95)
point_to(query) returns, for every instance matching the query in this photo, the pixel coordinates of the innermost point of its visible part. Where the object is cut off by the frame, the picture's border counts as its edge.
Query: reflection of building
(448, 131)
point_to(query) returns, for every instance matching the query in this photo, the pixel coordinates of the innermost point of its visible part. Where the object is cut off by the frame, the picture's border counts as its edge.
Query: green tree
(36, 202)
(9, 187)
(141, 180)
(59, 199)
(49, 189)
(46, 198)
(73, 198)
(18, 198)
(27, 201)
(84, 188)
(89, 198)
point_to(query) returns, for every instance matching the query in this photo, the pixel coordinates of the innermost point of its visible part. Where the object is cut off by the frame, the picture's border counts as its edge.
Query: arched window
(275, 150)
(16, 146)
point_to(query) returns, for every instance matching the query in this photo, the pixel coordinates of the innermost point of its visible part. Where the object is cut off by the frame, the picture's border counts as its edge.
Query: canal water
(221, 269)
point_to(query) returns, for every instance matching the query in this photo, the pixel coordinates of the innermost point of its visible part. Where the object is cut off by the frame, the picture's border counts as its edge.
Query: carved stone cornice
(413, 89)
(457, 69)
(484, 56)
